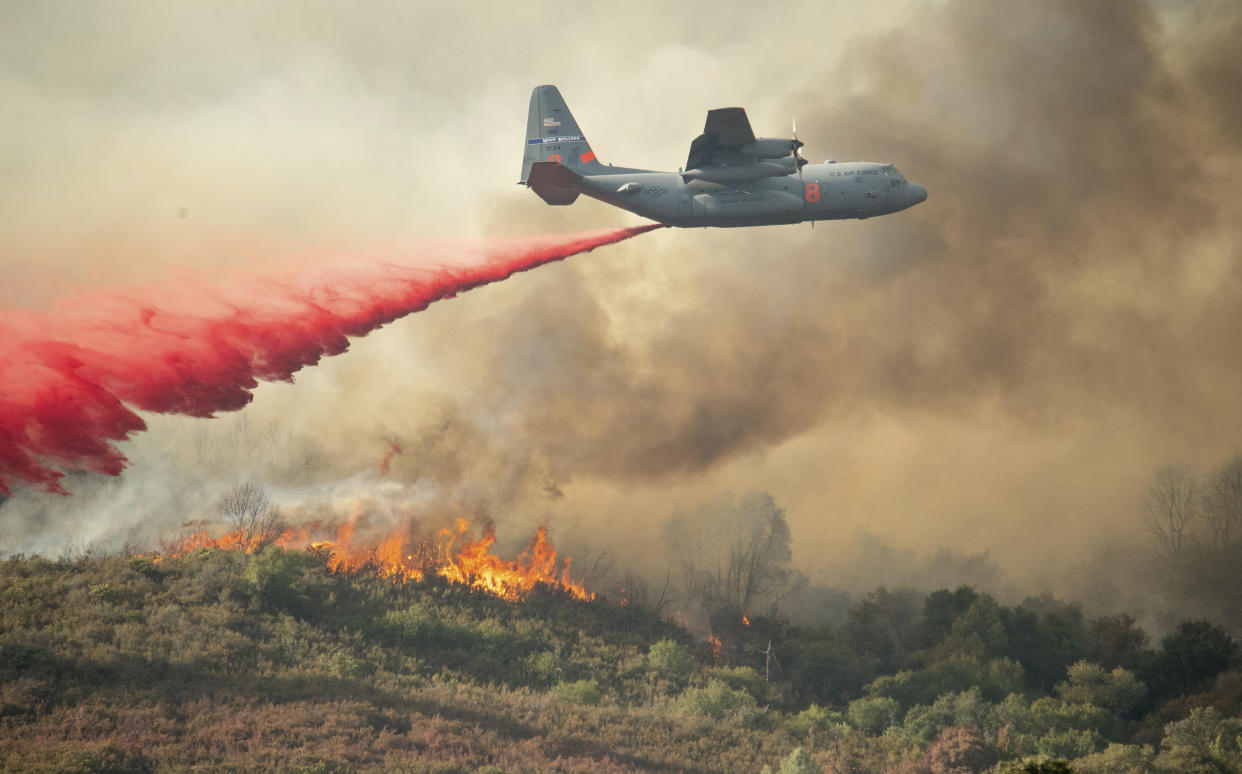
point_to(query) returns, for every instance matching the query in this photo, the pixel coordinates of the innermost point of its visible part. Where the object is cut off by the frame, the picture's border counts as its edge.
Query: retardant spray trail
(69, 379)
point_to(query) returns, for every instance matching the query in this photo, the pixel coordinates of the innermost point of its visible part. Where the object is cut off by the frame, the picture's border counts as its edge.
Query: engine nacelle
(768, 168)
(735, 173)
(770, 148)
(788, 164)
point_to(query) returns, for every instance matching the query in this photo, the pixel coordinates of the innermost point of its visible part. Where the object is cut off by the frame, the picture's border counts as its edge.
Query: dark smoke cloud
(1066, 305)
(1078, 255)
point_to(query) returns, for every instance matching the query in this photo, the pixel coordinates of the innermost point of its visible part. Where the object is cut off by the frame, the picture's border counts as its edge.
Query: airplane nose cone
(915, 194)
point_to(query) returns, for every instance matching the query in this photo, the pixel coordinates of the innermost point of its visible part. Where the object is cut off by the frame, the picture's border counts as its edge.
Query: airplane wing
(725, 131)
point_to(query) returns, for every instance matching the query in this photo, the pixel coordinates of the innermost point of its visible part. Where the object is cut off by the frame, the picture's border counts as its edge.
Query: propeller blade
(796, 145)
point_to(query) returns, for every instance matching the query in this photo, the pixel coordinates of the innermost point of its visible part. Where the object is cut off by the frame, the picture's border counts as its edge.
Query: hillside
(220, 660)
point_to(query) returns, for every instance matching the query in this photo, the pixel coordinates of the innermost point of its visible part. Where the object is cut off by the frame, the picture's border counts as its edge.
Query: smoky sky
(1000, 368)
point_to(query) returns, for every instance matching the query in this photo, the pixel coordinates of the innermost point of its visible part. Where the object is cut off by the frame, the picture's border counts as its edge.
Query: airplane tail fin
(552, 135)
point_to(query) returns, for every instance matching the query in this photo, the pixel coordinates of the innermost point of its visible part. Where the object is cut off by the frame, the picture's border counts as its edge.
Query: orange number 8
(555, 158)
(812, 192)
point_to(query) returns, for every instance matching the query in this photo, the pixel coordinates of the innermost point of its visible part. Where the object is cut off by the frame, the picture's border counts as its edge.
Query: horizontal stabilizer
(555, 183)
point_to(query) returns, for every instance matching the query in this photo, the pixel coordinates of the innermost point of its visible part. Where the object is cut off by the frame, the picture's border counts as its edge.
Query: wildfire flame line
(451, 554)
(71, 379)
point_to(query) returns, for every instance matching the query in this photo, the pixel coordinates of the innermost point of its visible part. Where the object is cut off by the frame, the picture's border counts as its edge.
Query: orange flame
(716, 644)
(402, 558)
(745, 620)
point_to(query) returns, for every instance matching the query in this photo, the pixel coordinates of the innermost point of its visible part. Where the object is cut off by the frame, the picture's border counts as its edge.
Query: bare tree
(665, 596)
(1172, 506)
(636, 590)
(249, 510)
(592, 564)
(733, 554)
(1222, 511)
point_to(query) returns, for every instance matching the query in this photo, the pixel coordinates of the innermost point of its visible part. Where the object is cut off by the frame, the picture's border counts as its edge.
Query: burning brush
(452, 554)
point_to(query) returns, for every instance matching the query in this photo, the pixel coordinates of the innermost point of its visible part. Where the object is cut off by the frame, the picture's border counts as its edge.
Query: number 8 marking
(555, 157)
(812, 192)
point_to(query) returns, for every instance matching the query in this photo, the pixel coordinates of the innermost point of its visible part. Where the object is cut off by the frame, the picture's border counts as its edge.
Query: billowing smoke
(999, 369)
(71, 376)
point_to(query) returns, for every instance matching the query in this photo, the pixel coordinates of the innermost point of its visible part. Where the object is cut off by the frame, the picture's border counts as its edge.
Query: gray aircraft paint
(738, 179)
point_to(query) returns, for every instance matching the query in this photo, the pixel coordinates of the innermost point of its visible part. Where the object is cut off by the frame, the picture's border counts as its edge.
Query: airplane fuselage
(830, 191)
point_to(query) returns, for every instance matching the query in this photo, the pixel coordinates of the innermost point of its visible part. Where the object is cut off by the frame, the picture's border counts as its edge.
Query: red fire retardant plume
(69, 380)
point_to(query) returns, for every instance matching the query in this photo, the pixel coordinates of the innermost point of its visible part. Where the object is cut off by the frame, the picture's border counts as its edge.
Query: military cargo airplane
(731, 178)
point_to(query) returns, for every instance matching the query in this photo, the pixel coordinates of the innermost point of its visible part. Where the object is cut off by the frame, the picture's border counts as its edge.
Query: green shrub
(873, 715)
(342, 663)
(144, 566)
(316, 766)
(1117, 691)
(720, 702)
(742, 678)
(799, 762)
(84, 758)
(670, 661)
(22, 592)
(1118, 759)
(274, 576)
(1070, 743)
(424, 626)
(964, 710)
(1035, 765)
(1204, 741)
(1050, 714)
(105, 593)
(995, 679)
(418, 624)
(579, 692)
(544, 667)
(17, 660)
(814, 718)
